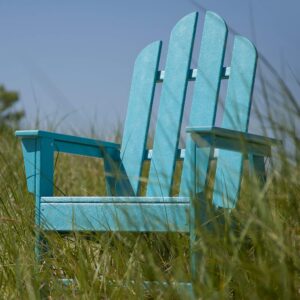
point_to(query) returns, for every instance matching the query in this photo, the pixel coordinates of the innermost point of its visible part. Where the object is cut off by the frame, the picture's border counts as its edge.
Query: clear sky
(71, 60)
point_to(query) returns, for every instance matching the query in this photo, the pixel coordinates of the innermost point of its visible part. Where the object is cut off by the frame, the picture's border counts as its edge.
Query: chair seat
(131, 214)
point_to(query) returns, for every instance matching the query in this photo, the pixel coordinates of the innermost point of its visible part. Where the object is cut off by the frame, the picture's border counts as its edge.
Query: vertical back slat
(138, 113)
(171, 107)
(236, 116)
(204, 102)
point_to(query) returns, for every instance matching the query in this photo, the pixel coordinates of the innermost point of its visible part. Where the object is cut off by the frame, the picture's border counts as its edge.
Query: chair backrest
(177, 73)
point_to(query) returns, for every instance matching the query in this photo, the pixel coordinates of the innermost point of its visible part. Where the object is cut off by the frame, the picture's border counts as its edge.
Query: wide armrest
(72, 144)
(222, 138)
(38, 152)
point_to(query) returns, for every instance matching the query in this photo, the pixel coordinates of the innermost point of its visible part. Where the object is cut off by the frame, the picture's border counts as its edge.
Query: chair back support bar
(171, 107)
(138, 113)
(205, 99)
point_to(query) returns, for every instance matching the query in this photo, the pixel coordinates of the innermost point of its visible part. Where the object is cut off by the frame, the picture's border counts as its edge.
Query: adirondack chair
(124, 209)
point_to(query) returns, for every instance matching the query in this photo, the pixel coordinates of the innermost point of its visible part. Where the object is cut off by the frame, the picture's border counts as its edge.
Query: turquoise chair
(124, 209)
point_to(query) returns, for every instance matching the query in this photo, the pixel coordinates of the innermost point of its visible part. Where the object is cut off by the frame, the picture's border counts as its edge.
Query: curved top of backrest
(240, 85)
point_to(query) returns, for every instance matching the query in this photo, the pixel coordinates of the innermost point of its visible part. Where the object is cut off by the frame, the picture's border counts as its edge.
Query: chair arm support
(72, 144)
(228, 139)
(38, 152)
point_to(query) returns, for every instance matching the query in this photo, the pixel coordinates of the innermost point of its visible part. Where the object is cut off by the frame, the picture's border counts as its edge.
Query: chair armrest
(72, 144)
(228, 139)
(38, 152)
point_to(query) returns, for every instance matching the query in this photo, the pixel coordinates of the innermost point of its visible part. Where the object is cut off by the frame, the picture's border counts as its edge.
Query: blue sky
(72, 60)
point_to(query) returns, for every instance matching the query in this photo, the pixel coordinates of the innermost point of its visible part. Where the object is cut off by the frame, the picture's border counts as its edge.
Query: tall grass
(254, 254)
(258, 258)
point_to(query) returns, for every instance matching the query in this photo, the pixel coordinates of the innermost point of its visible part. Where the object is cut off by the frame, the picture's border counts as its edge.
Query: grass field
(257, 258)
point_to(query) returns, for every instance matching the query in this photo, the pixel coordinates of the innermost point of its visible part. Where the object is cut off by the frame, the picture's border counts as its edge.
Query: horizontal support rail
(193, 74)
(66, 215)
(180, 154)
(108, 199)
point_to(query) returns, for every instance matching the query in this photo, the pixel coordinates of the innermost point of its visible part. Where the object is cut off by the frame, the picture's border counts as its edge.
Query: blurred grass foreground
(258, 258)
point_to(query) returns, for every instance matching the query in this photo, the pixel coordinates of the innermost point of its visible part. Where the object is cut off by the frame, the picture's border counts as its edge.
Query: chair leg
(257, 168)
(38, 247)
(117, 183)
(198, 217)
(41, 247)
